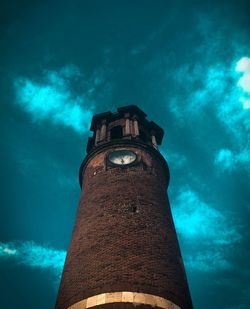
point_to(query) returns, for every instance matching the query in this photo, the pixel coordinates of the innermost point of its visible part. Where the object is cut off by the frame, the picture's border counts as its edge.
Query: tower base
(124, 300)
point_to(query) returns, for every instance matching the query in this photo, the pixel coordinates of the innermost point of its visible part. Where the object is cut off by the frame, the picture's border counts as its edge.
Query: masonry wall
(124, 238)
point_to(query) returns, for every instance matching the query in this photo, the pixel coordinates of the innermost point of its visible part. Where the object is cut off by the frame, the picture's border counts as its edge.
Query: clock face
(122, 157)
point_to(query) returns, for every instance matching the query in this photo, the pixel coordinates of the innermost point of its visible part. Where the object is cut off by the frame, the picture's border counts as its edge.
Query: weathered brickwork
(124, 237)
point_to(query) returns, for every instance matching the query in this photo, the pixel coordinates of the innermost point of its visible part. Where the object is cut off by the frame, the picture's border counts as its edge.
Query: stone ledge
(125, 297)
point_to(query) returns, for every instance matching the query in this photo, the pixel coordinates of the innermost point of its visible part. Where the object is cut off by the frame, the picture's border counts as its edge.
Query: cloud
(243, 65)
(208, 261)
(209, 86)
(53, 99)
(225, 159)
(196, 219)
(210, 79)
(214, 92)
(229, 161)
(32, 255)
(245, 102)
(198, 222)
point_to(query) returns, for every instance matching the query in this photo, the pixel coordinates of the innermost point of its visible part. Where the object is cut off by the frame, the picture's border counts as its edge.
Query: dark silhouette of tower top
(130, 111)
(124, 250)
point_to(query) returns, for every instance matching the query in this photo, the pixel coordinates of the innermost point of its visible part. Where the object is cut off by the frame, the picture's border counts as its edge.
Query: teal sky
(187, 65)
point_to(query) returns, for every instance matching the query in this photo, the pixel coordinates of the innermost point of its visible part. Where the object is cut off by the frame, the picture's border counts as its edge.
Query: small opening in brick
(134, 208)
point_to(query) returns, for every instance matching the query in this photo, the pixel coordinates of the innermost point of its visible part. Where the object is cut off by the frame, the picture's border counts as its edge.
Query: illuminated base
(125, 297)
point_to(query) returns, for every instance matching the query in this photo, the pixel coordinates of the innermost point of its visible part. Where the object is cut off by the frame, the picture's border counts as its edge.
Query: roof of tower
(97, 118)
(133, 110)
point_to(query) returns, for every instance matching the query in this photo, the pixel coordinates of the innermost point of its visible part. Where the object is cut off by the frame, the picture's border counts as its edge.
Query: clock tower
(124, 251)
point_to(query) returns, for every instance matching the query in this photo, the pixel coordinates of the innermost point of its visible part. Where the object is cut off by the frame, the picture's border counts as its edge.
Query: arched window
(116, 132)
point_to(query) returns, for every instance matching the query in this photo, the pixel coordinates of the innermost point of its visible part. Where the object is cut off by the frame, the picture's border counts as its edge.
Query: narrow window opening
(134, 208)
(143, 136)
(116, 132)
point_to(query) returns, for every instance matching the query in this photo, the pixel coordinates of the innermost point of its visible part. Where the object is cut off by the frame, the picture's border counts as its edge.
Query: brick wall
(124, 238)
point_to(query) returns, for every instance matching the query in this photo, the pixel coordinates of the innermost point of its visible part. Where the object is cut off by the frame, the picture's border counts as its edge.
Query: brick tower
(124, 252)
